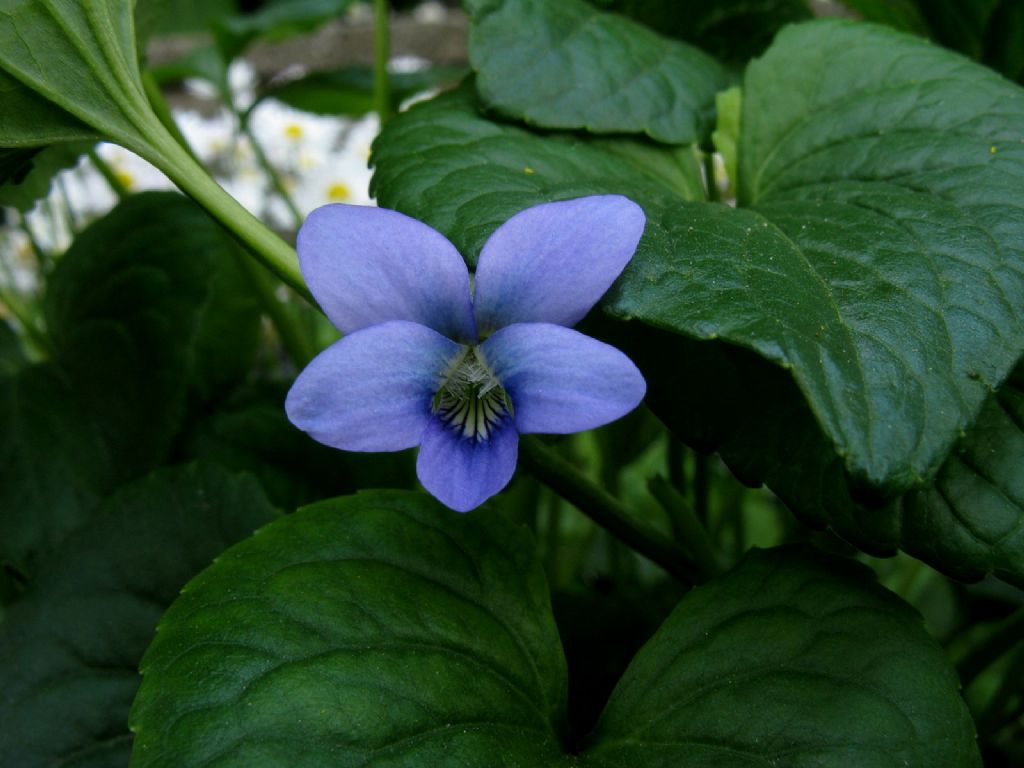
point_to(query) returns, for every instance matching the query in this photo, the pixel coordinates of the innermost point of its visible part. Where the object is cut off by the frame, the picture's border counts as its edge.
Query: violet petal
(552, 262)
(462, 472)
(561, 381)
(367, 265)
(371, 391)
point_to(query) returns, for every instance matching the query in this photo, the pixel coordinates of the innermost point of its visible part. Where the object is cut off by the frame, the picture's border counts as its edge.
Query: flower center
(471, 400)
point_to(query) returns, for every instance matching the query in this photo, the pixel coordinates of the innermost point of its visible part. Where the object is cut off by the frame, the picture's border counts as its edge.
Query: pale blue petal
(367, 265)
(462, 473)
(551, 263)
(560, 381)
(372, 390)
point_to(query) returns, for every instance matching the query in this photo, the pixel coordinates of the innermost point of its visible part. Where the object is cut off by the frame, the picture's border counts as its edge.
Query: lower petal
(462, 472)
(371, 391)
(561, 381)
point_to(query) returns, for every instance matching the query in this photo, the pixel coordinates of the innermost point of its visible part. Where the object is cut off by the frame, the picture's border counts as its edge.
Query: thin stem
(108, 174)
(42, 258)
(687, 528)
(21, 314)
(604, 509)
(995, 716)
(675, 458)
(381, 54)
(1009, 633)
(163, 112)
(710, 178)
(273, 252)
(295, 342)
(272, 175)
(701, 480)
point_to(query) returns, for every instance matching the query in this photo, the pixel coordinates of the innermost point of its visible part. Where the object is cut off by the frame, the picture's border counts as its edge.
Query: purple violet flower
(428, 361)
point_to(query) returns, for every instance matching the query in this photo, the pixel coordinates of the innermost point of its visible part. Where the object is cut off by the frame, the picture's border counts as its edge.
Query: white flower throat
(471, 400)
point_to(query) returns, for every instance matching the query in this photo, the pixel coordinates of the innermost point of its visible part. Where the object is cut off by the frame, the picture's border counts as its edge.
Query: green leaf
(895, 172)
(26, 188)
(12, 355)
(123, 307)
(56, 464)
(732, 30)
(567, 65)
(464, 175)
(80, 56)
(349, 91)
(249, 431)
(31, 121)
(793, 658)
(382, 630)
(971, 518)
(374, 629)
(136, 310)
(72, 642)
(276, 20)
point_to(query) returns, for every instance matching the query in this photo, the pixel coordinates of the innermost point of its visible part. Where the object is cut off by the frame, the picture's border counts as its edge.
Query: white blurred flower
(292, 138)
(134, 173)
(17, 263)
(242, 82)
(212, 138)
(430, 12)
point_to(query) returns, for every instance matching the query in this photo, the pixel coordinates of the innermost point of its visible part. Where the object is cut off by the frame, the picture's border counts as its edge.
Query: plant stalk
(381, 54)
(605, 510)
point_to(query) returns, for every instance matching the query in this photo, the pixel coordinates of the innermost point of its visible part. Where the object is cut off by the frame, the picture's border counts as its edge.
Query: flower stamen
(470, 399)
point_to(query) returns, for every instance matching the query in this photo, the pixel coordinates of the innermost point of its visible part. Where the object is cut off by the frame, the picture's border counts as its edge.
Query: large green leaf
(376, 629)
(80, 56)
(882, 264)
(444, 163)
(123, 308)
(139, 314)
(732, 30)
(895, 171)
(566, 64)
(55, 464)
(971, 518)
(795, 659)
(72, 642)
(384, 630)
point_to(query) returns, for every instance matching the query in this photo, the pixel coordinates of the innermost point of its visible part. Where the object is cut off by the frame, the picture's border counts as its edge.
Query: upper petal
(552, 262)
(367, 265)
(461, 472)
(560, 381)
(371, 390)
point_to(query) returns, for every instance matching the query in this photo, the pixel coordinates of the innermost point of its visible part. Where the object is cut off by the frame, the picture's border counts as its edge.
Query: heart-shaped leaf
(72, 642)
(384, 630)
(374, 629)
(567, 64)
(137, 310)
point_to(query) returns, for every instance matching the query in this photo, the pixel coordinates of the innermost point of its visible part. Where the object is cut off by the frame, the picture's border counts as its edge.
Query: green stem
(701, 481)
(264, 162)
(108, 174)
(604, 509)
(381, 54)
(295, 342)
(28, 324)
(42, 258)
(675, 458)
(995, 716)
(687, 528)
(163, 112)
(1009, 633)
(710, 178)
(273, 252)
